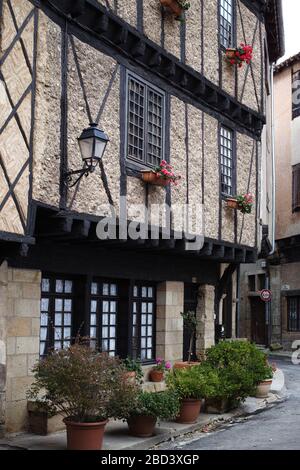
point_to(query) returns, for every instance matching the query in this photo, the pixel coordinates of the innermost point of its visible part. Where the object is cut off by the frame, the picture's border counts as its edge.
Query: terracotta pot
(156, 375)
(232, 203)
(151, 177)
(216, 406)
(142, 426)
(185, 365)
(173, 5)
(84, 436)
(230, 53)
(263, 389)
(189, 411)
(130, 377)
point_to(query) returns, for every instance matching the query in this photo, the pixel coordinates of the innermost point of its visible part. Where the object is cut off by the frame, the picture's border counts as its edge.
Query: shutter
(296, 188)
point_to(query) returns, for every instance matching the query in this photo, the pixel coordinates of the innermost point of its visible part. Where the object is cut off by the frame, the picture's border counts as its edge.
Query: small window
(226, 23)
(251, 283)
(226, 161)
(57, 303)
(143, 322)
(145, 122)
(296, 188)
(261, 281)
(296, 94)
(294, 313)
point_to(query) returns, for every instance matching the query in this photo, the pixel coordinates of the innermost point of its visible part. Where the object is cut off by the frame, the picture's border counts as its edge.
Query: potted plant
(246, 366)
(157, 372)
(242, 202)
(237, 56)
(177, 6)
(163, 175)
(141, 409)
(263, 372)
(79, 383)
(190, 385)
(190, 323)
(134, 371)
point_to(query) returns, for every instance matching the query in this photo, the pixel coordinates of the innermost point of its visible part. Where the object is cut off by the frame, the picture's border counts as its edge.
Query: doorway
(258, 321)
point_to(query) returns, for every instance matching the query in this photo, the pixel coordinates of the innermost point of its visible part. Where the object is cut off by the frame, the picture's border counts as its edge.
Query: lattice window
(103, 316)
(56, 314)
(294, 313)
(145, 122)
(296, 94)
(226, 23)
(143, 322)
(226, 157)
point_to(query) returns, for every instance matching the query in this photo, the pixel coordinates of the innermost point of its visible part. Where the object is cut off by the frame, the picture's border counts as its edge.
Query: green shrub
(163, 405)
(78, 382)
(188, 383)
(243, 354)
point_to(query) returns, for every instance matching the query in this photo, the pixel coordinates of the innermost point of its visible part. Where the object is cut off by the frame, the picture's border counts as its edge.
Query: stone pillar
(169, 323)
(206, 319)
(21, 313)
(275, 280)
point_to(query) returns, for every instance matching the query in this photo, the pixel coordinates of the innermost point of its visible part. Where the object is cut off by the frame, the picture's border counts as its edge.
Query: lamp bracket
(85, 171)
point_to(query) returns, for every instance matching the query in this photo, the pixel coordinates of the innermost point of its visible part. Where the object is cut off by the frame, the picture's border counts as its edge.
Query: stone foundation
(19, 342)
(206, 318)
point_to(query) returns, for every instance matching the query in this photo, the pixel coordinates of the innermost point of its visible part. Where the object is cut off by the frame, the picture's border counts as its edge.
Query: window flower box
(177, 7)
(243, 203)
(237, 56)
(163, 175)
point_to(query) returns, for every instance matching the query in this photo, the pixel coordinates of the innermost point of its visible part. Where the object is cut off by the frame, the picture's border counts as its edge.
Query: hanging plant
(243, 203)
(177, 6)
(163, 175)
(237, 56)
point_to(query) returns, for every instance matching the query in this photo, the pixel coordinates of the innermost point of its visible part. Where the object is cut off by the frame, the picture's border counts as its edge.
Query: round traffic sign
(266, 295)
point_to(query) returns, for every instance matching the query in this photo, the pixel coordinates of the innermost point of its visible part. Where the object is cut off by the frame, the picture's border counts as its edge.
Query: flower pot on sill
(156, 375)
(84, 436)
(230, 53)
(151, 177)
(141, 426)
(173, 5)
(263, 389)
(189, 411)
(130, 377)
(232, 203)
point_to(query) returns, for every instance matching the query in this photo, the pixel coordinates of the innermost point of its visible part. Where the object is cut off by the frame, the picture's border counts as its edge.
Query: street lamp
(92, 144)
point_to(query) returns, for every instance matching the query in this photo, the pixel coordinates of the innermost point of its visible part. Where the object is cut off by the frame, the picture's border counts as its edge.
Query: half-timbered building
(160, 89)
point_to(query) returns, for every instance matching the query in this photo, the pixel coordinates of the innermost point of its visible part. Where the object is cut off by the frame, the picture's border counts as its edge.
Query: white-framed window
(227, 161)
(226, 23)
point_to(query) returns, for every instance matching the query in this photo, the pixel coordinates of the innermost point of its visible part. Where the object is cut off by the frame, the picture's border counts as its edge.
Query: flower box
(232, 203)
(177, 7)
(151, 177)
(243, 203)
(163, 175)
(237, 56)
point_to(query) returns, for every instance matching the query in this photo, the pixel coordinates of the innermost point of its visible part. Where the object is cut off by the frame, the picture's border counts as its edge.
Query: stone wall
(20, 331)
(169, 323)
(290, 280)
(206, 319)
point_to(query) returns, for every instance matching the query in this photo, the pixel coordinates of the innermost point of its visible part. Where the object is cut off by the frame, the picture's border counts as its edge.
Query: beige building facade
(160, 89)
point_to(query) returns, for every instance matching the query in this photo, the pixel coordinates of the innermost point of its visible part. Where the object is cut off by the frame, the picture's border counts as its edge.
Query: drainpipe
(273, 160)
(268, 277)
